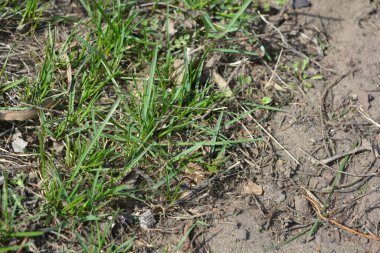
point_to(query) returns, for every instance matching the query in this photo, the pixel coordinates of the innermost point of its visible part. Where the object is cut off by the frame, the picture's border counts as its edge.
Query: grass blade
(94, 140)
(235, 18)
(149, 90)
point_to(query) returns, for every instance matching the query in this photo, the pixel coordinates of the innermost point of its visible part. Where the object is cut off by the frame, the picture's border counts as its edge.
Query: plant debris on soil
(329, 202)
(189, 126)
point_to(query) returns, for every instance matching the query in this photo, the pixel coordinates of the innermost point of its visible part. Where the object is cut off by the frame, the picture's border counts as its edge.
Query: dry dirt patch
(342, 110)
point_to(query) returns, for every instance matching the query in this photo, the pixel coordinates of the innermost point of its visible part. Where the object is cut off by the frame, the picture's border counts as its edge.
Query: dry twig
(367, 117)
(336, 223)
(315, 160)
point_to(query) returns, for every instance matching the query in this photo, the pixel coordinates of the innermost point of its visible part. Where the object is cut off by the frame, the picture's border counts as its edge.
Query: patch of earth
(340, 112)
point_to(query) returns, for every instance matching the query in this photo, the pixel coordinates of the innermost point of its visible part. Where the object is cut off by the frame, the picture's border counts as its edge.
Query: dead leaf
(68, 70)
(189, 23)
(222, 84)
(17, 134)
(171, 28)
(179, 67)
(212, 61)
(195, 172)
(58, 147)
(275, 85)
(23, 115)
(252, 188)
(9, 115)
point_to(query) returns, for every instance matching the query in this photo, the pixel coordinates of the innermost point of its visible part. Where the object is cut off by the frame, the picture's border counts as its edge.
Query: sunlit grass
(118, 111)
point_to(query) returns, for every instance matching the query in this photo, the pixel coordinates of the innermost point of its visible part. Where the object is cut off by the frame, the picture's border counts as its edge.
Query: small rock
(147, 220)
(252, 188)
(300, 4)
(1, 180)
(280, 184)
(19, 145)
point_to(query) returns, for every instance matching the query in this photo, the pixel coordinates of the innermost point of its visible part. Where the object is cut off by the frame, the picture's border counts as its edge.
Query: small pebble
(300, 4)
(147, 220)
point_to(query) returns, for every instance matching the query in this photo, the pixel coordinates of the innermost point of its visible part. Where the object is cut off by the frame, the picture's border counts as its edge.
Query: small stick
(350, 152)
(312, 196)
(187, 243)
(315, 160)
(274, 71)
(23, 243)
(279, 77)
(322, 217)
(367, 117)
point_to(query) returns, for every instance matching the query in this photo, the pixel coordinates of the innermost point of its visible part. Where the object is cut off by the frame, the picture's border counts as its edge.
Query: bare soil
(324, 122)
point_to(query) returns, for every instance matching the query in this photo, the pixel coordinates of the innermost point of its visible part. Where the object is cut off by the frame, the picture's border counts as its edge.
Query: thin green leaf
(235, 18)
(94, 140)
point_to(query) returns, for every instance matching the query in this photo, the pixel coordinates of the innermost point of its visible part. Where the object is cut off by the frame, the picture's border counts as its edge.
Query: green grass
(29, 15)
(117, 112)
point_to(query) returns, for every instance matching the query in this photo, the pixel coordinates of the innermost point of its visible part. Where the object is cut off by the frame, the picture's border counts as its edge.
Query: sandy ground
(341, 110)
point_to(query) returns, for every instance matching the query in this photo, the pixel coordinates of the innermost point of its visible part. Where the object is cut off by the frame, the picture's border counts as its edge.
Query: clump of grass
(118, 114)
